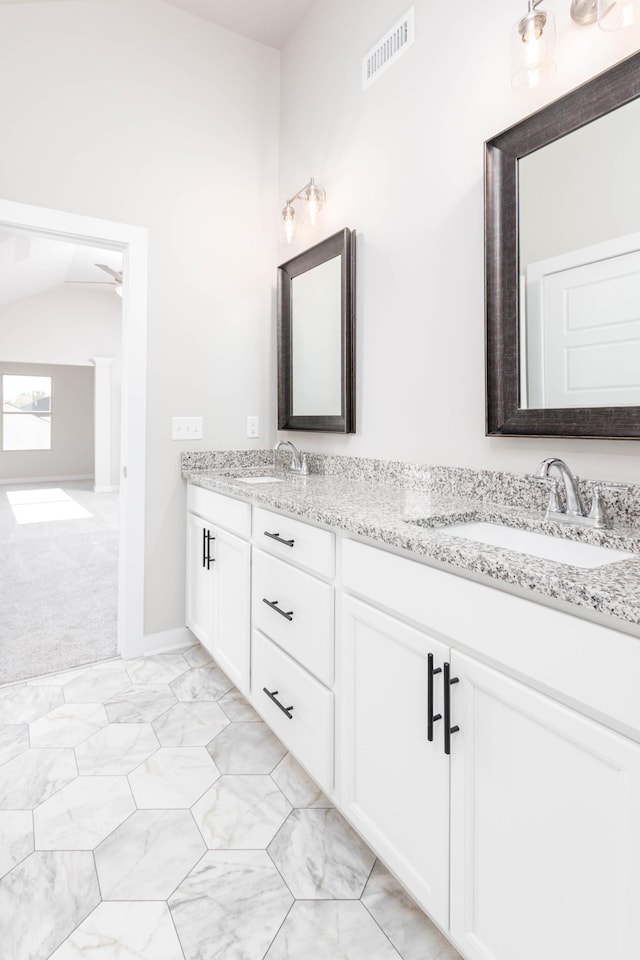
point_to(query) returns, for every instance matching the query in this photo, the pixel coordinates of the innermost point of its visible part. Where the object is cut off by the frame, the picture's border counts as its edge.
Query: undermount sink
(259, 479)
(578, 554)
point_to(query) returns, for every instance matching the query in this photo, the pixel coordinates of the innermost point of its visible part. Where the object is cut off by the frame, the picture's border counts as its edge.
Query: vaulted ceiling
(268, 21)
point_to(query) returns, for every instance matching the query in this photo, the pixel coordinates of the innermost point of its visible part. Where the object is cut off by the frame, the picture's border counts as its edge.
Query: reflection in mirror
(316, 334)
(562, 265)
(579, 233)
(315, 340)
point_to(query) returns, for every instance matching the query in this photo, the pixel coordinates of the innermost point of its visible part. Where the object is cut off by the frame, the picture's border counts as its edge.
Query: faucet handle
(599, 513)
(551, 483)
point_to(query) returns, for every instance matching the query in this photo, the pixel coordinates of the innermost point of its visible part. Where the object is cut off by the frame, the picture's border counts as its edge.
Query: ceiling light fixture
(534, 35)
(313, 197)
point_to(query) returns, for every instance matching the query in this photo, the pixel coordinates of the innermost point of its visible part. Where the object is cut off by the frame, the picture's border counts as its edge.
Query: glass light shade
(617, 14)
(288, 224)
(314, 200)
(533, 41)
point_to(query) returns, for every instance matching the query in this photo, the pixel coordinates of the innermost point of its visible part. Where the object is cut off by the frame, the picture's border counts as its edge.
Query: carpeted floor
(58, 578)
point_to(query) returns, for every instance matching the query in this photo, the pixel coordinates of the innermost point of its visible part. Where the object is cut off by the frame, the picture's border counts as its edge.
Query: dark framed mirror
(562, 265)
(316, 337)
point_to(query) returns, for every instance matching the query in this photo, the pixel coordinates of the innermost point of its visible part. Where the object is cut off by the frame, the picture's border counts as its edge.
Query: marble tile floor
(147, 813)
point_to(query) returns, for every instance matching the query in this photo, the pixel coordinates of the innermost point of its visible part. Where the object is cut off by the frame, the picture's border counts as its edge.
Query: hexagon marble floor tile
(147, 813)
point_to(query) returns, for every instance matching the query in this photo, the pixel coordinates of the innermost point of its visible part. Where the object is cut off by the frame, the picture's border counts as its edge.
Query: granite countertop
(415, 520)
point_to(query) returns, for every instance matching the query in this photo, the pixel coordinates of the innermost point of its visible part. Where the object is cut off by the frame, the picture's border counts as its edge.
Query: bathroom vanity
(472, 711)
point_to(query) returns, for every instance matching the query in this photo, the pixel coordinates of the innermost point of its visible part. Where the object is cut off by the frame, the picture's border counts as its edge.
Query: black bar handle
(274, 606)
(272, 696)
(209, 558)
(276, 536)
(448, 729)
(431, 673)
(204, 547)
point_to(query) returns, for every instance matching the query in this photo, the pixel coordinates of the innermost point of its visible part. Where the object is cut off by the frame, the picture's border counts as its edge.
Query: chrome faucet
(298, 459)
(574, 511)
(575, 507)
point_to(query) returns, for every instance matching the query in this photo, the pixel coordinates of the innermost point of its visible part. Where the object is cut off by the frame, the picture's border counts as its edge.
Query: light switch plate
(186, 428)
(253, 427)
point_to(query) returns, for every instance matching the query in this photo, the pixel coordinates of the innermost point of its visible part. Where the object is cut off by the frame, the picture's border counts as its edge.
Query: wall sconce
(313, 197)
(534, 35)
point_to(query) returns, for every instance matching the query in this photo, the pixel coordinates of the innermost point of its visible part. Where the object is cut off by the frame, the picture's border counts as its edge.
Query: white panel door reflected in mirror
(316, 343)
(579, 241)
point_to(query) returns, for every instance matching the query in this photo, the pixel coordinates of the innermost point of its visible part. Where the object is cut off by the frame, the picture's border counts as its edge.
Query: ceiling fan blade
(117, 274)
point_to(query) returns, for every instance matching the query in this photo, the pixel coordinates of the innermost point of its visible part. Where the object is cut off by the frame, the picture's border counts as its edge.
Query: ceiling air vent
(387, 50)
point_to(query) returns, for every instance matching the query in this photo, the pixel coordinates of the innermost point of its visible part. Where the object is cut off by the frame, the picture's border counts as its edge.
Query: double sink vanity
(458, 673)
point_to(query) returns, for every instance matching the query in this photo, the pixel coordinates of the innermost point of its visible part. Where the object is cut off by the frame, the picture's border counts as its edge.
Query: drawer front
(308, 733)
(295, 541)
(233, 515)
(306, 632)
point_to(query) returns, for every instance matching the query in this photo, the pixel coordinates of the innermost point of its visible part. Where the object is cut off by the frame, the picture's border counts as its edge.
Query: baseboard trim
(165, 642)
(7, 482)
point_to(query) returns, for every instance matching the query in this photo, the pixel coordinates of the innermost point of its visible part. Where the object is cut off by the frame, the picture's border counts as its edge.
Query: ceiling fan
(116, 274)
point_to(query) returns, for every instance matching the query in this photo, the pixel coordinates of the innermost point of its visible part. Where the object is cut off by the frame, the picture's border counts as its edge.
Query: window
(26, 413)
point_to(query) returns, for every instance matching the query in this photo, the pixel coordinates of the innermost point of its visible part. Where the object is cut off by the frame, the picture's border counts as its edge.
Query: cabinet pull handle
(209, 558)
(204, 547)
(274, 606)
(272, 696)
(276, 536)
(431, 719)
(448, 729)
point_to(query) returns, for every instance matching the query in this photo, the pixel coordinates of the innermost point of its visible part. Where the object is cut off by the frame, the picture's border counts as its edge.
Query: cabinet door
(231, 605)
(545, 852)
(200, 577)
(394, 782)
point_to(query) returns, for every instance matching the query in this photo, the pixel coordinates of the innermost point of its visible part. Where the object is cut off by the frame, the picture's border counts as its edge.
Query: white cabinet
(199, 580)
(394, 784)
(523, 842)
(219, 581)
(230, 642)
(545, 826)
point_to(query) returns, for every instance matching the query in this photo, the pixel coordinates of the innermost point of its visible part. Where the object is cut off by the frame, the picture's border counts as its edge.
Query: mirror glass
(316, 337)
(562, 265)
(579, 266)
(316, 306)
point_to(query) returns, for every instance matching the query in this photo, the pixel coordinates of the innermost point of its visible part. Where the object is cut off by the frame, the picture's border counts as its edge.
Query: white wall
(143, 114)
(402, 163)
(68, 325)
(582, 189)
(71, 453)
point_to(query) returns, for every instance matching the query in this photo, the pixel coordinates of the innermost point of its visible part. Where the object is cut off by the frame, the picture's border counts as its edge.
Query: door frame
(133, 243)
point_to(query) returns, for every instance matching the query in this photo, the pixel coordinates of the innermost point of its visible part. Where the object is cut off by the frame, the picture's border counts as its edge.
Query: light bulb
(288, 223)
(532, 48)
(314, 197)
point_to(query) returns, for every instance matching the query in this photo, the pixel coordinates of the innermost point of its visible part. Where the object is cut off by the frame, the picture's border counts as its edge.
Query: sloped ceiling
(268, 21)
(32, 264)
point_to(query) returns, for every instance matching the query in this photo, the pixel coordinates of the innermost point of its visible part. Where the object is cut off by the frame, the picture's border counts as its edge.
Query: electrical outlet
(186, 428)
(253, 427)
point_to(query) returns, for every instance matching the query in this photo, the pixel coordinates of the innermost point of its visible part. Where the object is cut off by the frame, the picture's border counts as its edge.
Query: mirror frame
(341, 244)
(504, 416)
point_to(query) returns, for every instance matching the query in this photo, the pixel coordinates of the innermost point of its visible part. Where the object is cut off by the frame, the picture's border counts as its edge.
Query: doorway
(118, 468)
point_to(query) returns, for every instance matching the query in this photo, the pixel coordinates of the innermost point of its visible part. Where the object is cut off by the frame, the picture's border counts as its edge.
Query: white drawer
(295, 541)
(308, 731)
(233, 515)
(301, 622)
